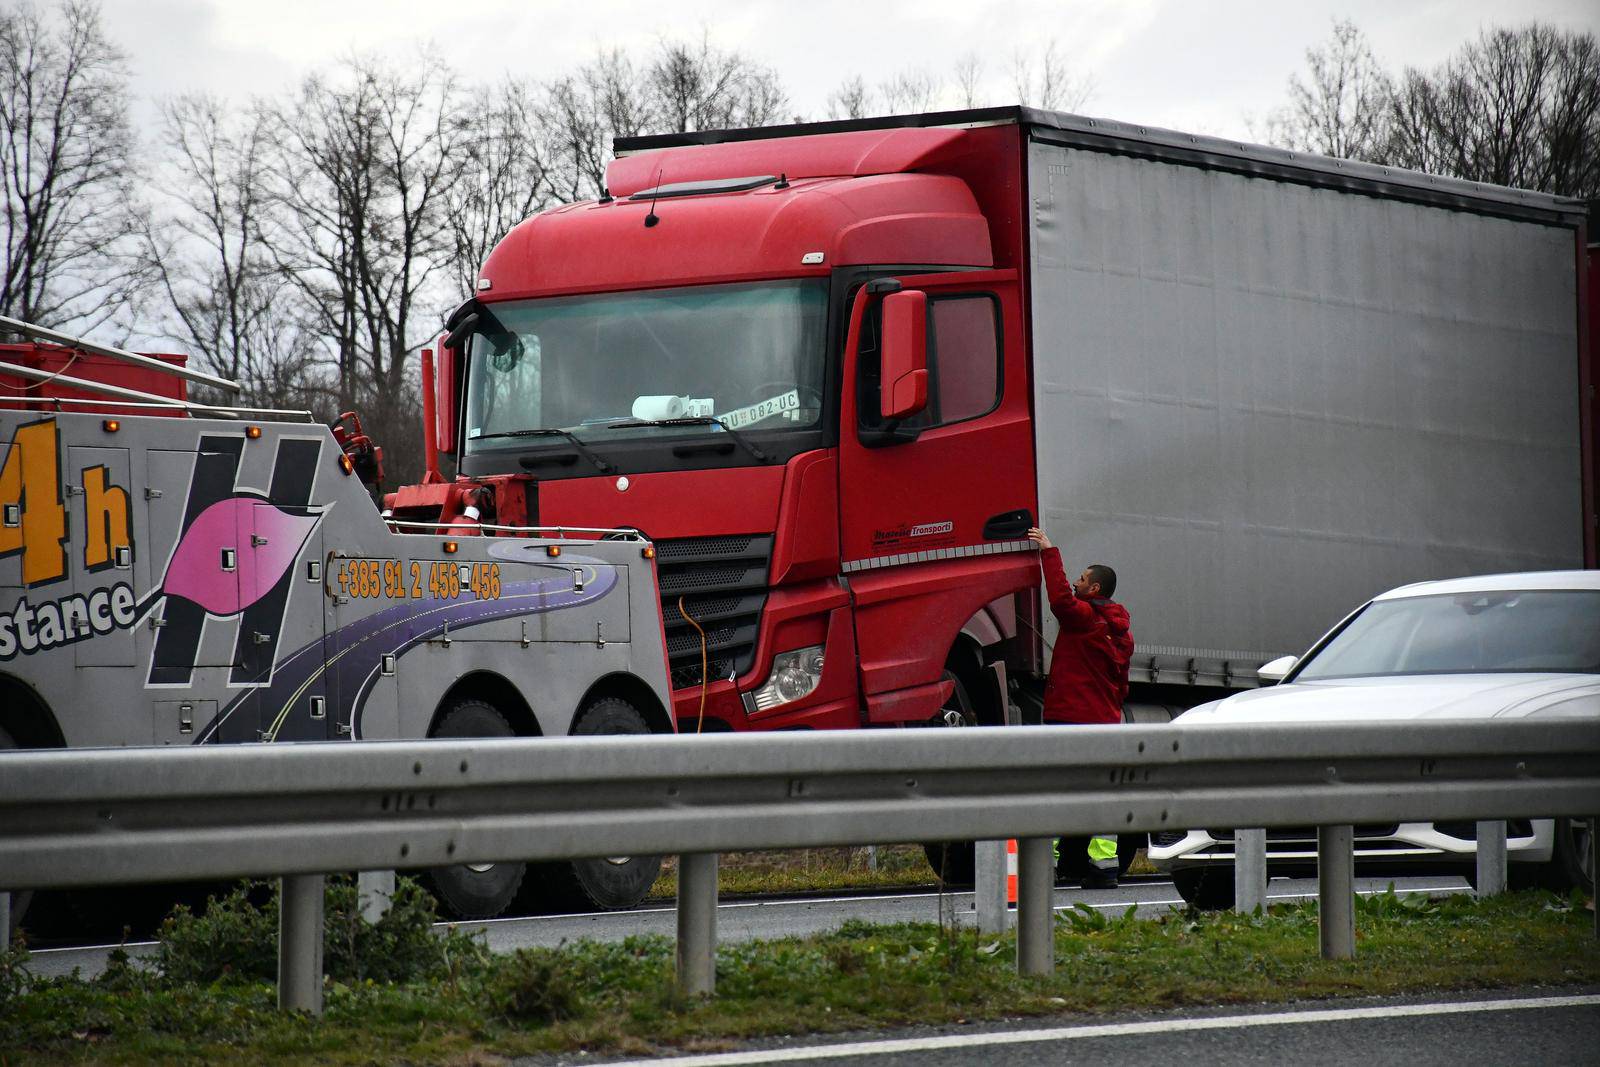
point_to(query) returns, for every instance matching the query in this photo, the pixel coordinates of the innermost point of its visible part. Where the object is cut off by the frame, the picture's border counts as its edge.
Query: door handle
(1008, 525)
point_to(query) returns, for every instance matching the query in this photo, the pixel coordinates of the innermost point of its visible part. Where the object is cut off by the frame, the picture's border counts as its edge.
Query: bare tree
(851, 100)
(683, 88)
(1517, 107)
(226, 302)
(578, 119)
(701, 87)
(968, 76)
(1048, 83)
(362, 231)
(66, 155)
(500, 180)
(908, 92)
(1341, 107)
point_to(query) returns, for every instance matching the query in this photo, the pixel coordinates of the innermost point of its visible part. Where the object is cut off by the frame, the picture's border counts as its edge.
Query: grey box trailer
(1270, 385)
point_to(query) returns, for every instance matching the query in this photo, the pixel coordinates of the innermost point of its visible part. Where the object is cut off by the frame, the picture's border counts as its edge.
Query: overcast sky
(1192, 65)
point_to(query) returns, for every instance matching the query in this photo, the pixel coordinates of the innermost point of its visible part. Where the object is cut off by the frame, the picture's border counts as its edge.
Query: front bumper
(1391, 846)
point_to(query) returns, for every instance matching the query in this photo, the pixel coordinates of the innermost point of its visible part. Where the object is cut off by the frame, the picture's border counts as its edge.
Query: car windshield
(1466, 633)
(748, 355)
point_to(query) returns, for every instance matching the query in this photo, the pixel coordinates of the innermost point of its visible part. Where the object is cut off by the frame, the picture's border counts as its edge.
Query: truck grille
(723, 584)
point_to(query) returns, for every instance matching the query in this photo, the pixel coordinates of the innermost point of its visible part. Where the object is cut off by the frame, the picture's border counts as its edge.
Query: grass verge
(619, 998)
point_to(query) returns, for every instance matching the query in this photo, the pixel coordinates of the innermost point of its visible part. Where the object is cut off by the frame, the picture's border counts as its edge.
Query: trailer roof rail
(41, 333)
(1207, 152)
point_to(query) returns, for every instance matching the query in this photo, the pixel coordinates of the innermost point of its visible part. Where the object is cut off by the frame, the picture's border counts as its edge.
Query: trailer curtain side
(1263, 402)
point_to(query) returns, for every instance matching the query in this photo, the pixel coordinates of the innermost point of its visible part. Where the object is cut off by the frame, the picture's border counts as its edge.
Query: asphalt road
(773, 918)
(1529, 1027)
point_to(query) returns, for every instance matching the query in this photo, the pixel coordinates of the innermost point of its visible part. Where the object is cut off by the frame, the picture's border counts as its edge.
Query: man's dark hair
(1104, 577)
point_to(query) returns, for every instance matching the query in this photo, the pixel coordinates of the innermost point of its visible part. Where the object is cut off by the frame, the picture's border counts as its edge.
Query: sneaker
(1097, 879)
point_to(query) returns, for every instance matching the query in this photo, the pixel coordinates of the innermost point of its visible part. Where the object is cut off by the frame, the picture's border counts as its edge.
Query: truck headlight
(794, 675)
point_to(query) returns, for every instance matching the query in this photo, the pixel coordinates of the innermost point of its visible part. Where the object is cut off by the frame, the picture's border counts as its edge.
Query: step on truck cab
(174, 573)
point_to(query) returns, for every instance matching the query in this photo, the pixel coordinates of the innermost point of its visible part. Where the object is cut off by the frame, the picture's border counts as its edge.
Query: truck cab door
(935, 507)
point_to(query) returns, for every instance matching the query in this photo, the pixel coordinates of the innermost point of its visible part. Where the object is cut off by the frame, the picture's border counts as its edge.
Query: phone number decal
(393, 579)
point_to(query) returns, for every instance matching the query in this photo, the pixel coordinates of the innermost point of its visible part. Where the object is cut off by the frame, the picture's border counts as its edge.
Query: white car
(1496, 646)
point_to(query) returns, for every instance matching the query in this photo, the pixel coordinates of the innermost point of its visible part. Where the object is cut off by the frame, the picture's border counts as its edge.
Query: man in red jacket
(1088, 667)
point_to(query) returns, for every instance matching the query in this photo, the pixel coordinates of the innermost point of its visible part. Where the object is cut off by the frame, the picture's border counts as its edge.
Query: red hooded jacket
(1089, 665)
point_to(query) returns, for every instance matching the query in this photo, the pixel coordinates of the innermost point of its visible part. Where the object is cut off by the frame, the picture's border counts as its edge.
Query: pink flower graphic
(265, 541)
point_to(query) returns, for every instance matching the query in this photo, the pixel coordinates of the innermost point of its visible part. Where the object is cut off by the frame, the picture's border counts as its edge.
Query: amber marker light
(450, 548)
(111, 425)
(648, 552)
(345, 464)
(552, 550)
(252, 432)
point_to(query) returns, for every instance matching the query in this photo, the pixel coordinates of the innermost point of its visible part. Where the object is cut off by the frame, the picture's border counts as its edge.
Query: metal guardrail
(109, 816)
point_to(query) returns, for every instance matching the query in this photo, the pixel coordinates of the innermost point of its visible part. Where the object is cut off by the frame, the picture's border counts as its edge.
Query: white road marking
(1065, 1033)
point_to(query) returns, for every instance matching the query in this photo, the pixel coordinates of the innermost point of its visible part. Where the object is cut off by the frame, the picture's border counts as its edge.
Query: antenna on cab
(652, 218)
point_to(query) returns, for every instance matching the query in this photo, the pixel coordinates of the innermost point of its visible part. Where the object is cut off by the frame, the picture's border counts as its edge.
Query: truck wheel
(19, 900)
(954, 863)
(1208, 888)
(1571, 864)
(475, 890)
(605, 882)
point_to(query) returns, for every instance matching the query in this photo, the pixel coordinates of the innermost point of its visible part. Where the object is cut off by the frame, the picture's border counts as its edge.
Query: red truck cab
(845, 568)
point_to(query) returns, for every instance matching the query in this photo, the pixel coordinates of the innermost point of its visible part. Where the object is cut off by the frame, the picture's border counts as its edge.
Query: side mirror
(903, 380)
(1274, 672)
(444, 423)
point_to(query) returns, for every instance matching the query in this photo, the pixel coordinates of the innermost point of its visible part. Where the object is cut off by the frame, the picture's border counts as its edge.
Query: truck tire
(475, 890)
(1570, 863)
(1208, 888)
(608, 883)
(954, 863)
(21, 900)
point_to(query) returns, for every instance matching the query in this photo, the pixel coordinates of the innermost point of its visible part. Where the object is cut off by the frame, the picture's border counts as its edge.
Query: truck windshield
(604, 366)
(1466, 633)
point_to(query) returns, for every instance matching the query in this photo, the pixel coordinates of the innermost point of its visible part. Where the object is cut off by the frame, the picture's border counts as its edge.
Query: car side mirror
(903, 375)
(1274, 672)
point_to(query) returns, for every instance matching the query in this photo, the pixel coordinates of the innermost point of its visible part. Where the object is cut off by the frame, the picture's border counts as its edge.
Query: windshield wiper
(693, 420)
(553, 431)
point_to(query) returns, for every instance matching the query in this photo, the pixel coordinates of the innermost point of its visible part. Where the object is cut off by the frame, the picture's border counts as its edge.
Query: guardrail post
(1336, 891)
(375, 891)
(697, 923)
(1249, 870)
(5, 921)
(1491, 857)
(1036, 887)
(989, 892)
(300, 943)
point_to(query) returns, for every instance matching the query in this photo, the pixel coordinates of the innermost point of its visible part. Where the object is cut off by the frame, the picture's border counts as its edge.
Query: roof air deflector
(719, 185)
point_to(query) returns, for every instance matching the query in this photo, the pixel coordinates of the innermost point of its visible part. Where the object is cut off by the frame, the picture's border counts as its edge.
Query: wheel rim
(480, 868)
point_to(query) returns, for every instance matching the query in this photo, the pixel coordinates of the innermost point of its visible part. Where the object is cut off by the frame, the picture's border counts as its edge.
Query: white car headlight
(794, 675)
